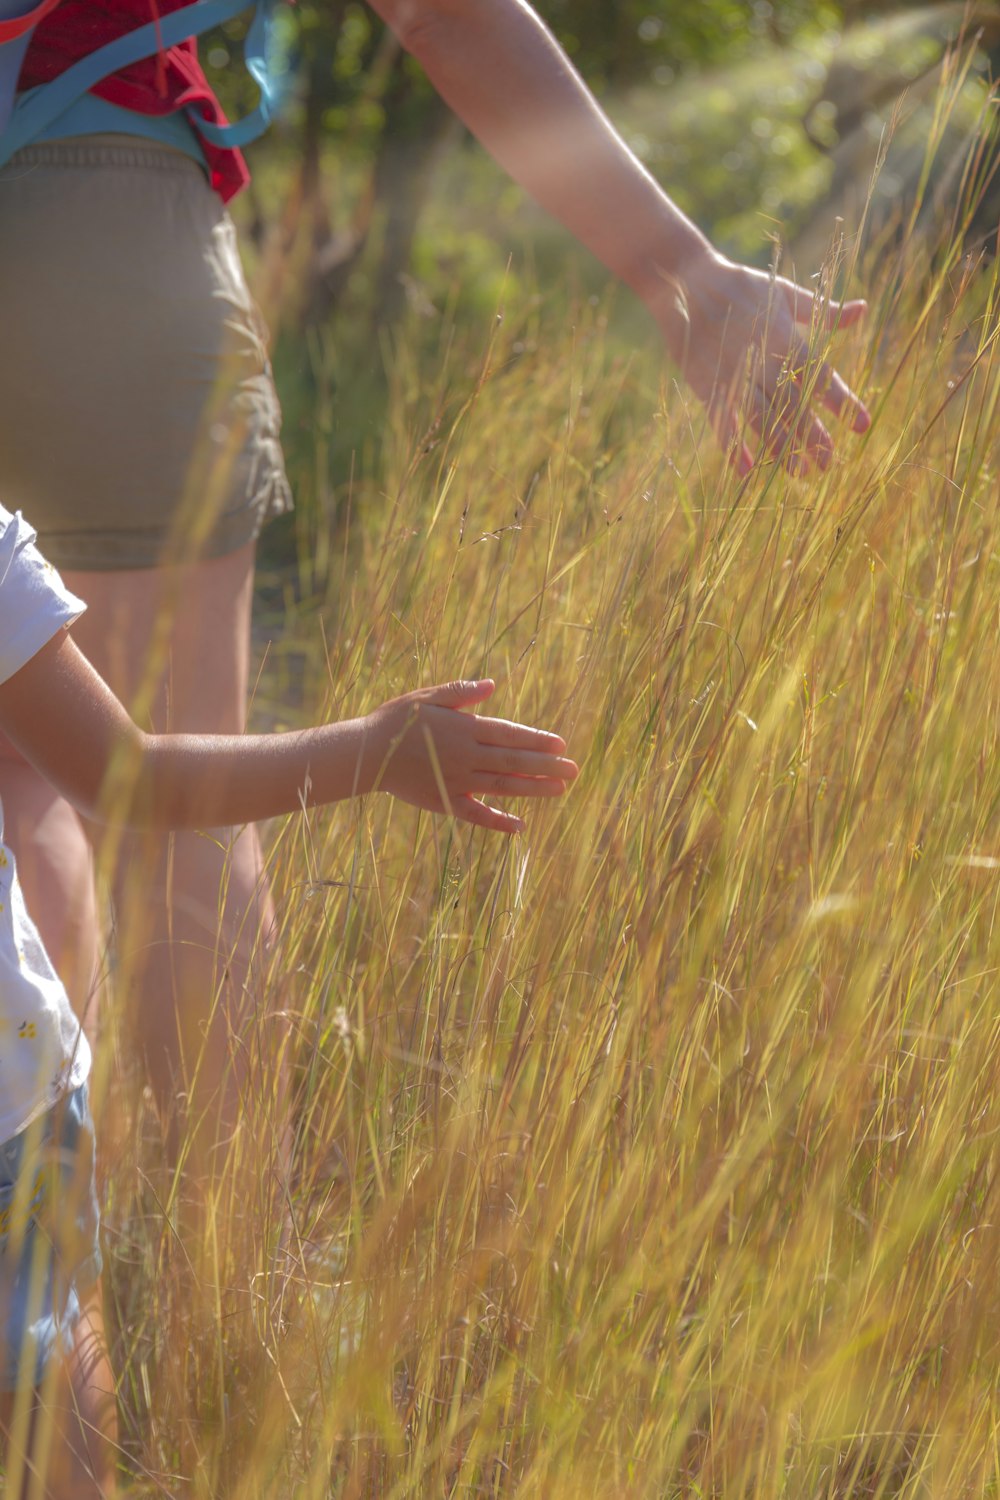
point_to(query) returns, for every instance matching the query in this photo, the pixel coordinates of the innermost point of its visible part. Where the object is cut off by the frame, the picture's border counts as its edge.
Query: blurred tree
(614, 42)
(904, 51)
(356, 87)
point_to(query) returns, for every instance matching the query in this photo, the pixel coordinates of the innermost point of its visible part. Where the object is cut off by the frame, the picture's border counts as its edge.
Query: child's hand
(424, 750)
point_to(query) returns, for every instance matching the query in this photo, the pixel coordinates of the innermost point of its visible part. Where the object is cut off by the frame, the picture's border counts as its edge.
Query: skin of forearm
(427, 747)
(199, 781)
(506, 77)
(68, 723)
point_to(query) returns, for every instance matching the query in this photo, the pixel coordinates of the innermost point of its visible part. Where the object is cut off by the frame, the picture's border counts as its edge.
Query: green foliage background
(764, 122)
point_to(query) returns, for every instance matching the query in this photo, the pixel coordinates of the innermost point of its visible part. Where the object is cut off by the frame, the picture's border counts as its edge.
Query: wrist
(679, 255)
(338, 760)
(673, 282)
(373, 736)
(692, 299)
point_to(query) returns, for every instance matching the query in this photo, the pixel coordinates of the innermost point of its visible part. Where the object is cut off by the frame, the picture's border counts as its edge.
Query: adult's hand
(750, 346)
(735, 332)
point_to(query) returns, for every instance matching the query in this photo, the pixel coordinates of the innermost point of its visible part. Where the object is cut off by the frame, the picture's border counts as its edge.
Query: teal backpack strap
(260, 56)
(18, 19)
(37, 110)
(92, 115)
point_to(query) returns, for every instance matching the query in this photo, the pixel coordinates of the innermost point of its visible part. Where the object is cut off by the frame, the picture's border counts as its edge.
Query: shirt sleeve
(34, 602)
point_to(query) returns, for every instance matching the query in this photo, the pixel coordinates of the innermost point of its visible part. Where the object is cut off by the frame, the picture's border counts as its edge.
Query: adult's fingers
(837, 396)
(834, 392)
(741, 458)
(822, 383)
(725, 424)
(817, 441)
(776, 423)
(786, 420)
(806, 304)
(811, 438)
(844, 314)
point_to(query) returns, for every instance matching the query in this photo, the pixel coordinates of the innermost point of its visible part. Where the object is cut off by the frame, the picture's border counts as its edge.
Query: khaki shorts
(138, 418)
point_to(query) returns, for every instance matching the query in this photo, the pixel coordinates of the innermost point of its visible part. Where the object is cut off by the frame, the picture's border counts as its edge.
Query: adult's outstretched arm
(740, 336)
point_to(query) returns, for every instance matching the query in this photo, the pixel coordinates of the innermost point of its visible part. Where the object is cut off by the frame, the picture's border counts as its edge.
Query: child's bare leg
(193, 910)
(69, 1443)
(85, 1421)
(81, 1410)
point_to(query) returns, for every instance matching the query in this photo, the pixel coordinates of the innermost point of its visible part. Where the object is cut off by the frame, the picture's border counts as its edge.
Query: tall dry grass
(653, 1153)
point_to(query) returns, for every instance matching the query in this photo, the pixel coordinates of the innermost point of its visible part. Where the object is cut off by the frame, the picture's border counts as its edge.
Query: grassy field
(654, 1153)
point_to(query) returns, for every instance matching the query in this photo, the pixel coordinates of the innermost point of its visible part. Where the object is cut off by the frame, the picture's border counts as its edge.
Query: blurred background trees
(772, 110)
(764, 120)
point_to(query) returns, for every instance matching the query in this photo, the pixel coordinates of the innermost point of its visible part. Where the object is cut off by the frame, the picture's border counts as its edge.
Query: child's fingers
(509, 736)
(471, 811)
(459, 694)
(483, 783)
(523, 763)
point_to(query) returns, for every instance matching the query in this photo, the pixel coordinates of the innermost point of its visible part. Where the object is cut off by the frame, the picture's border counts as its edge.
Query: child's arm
(64, 718)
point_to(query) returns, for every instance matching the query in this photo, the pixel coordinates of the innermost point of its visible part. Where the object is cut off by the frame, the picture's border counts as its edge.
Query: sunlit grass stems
(651, 1153)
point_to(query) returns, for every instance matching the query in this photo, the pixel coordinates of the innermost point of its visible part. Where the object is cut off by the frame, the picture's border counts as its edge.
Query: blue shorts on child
(49, 1251)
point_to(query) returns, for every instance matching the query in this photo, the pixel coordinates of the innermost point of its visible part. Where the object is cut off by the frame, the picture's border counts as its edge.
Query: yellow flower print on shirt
(27, 1030)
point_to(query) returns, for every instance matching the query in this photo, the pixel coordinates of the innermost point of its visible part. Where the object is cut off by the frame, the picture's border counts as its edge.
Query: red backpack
(35, 113)
(17, 22)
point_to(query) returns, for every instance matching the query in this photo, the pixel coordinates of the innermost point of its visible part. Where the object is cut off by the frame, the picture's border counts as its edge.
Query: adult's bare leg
(193, 909)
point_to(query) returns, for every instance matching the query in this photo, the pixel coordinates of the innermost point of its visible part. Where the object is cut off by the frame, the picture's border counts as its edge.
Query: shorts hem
(120, 550)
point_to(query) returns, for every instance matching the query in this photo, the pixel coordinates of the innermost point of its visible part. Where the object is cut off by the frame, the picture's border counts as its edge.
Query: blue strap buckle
(36, 111)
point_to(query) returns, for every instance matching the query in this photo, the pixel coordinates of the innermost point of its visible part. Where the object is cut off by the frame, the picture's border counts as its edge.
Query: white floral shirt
(43, 1052)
